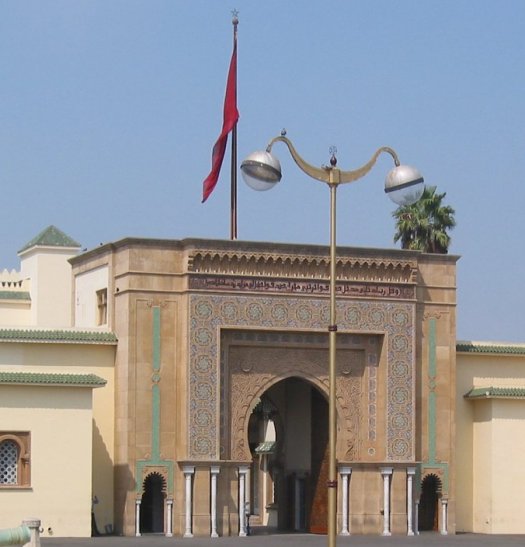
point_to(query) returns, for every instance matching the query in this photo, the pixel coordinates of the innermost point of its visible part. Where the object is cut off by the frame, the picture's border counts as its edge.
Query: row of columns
(412, 506)
(345, 472)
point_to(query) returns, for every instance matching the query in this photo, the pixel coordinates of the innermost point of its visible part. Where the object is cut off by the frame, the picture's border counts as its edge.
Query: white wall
(51, 282)
(86, 286)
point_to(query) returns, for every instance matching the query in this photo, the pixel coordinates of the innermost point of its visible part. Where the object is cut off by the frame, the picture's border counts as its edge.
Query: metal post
(332, 414)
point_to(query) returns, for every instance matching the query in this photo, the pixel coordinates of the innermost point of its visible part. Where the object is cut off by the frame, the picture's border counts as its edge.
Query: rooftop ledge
(58, 336)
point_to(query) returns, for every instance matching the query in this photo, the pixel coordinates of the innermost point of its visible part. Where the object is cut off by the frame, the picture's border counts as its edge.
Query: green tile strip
(40, 378)
(155, 449)
(15, 295)
(432, 462)
(155, 459)
(432, 391)
(57, 336)
(474, 347)
(496, 392)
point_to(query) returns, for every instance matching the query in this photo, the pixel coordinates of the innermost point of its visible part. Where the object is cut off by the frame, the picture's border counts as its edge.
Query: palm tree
(424, 225)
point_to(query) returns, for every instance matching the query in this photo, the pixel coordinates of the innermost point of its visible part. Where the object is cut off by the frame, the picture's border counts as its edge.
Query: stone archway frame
(209, 313)
(253, 369)
(149, 471)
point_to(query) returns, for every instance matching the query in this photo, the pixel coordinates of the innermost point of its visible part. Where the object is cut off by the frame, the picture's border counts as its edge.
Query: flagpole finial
(235, 17)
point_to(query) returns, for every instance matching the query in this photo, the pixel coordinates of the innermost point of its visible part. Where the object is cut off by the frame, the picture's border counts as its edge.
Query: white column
(416, 518)
(345, 476)
(137, 518)
(243, 471)
(386, 473)
(169, 517)
(444, 517)
(214, 470)
(188, 470)
(411, 471)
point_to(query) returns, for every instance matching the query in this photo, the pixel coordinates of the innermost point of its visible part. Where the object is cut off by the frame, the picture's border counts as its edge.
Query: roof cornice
(495, 348)
(496, 393)
(58, 336)
(45, 379)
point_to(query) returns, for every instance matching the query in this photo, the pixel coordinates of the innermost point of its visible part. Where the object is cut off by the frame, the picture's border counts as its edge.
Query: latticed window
(9, 462)
(15, 459)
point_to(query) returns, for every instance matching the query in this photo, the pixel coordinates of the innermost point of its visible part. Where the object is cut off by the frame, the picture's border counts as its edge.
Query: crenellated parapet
(12, 281)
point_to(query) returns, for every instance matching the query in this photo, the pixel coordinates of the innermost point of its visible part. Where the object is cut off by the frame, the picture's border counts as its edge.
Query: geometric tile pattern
(210, 313)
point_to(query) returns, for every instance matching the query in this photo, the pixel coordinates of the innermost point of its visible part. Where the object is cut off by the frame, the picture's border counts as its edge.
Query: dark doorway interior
(428, 507)
(152, 506)
(298, 463)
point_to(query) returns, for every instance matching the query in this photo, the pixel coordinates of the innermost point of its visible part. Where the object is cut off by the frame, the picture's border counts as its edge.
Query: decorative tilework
(393, 319)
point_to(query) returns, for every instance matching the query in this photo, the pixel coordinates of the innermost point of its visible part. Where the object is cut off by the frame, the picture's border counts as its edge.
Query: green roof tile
(51, 237)
(496, 392)
(266, 447)
(57, 336)
(484, 347)
(39, 378)
(15, 295)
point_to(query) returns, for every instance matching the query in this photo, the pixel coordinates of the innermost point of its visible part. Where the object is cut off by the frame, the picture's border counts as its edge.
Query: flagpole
(233, 207)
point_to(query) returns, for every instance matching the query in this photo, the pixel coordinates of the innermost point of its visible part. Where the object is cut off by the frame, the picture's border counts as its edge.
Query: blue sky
(109, 110)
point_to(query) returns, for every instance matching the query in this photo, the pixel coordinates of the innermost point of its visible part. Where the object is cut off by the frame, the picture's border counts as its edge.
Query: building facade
(180, 385)
(221, 383)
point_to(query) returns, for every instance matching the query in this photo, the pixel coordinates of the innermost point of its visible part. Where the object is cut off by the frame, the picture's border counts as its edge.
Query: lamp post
(404, 185)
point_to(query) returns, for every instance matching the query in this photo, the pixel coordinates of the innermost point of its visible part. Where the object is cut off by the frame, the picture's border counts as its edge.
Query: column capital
(411, 470)
(215, 469)
(345, 470)
(386, 470)
(188, 469)
(243, 469)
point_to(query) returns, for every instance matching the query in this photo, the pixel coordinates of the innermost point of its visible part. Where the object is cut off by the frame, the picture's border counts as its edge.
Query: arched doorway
(152, 505)
(288, 440)
(428, 506)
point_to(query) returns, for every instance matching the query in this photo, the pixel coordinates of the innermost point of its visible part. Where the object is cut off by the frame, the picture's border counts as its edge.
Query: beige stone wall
(52, 358)
(196, 289)
(489, 445)
(59, 420)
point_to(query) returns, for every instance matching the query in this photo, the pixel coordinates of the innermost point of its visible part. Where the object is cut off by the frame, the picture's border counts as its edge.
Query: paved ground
(294, 540)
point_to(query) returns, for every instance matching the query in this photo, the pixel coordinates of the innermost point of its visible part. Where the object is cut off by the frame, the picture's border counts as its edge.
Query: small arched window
(14, 459)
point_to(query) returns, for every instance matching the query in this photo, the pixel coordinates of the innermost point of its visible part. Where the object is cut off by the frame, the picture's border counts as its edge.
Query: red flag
(231, 115)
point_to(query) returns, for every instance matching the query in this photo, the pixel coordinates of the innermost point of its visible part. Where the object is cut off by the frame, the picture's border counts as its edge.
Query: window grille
(8, 462)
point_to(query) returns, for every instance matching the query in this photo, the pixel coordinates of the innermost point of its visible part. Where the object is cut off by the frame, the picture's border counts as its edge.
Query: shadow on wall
(102, 494)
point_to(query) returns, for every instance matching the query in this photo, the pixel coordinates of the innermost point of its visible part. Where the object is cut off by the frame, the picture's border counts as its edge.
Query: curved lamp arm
(329, 174)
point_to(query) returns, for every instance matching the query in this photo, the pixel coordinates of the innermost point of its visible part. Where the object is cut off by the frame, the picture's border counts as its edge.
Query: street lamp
(404, 185)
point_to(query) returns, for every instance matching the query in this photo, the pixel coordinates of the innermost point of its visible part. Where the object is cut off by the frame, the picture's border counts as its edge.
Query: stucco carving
(238, 262)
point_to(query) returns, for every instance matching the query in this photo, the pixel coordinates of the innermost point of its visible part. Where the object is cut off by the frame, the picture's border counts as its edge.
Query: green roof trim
(41, 378)
(57, 336)
(496, 393)
(51, 237)
(15, 295)
(493, 348)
